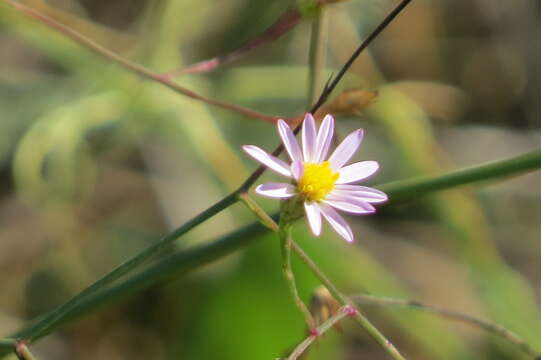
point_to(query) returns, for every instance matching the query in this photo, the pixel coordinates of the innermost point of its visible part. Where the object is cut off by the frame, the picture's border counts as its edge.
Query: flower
(322, 185)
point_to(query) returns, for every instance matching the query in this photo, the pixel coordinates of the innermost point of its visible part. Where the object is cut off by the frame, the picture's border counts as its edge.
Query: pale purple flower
(323, 185)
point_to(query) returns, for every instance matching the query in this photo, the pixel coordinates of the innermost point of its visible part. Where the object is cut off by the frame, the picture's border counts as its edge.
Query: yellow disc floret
(317, 181)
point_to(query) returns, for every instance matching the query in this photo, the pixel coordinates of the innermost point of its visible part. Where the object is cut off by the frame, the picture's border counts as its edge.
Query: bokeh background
(96, 164)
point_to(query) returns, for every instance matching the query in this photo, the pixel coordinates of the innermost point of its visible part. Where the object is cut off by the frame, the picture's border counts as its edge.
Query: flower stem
(345, 301)
(262, 216)
(284, 232)
(454, 315)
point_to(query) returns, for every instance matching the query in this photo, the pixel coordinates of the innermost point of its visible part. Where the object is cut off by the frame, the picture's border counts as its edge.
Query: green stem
(413, 188)
(44, 325)
(323, 328)
(454, 315)
(7, 343)
(345, 301)
(263, 217)
(90, 299)
(318, 41)
(284, 233)
(171, 267)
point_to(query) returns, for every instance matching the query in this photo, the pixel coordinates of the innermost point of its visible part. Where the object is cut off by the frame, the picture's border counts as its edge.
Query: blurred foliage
(96, 164)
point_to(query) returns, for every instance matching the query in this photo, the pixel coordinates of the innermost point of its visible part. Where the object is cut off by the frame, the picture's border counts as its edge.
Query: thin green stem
(7, 343)
(453, 315)
(130, 65)
(263, 217)
(284, 233)
(171, 267)
(345, 301)
(413, 188)
(318, 41)
(22, 352)
(343, 312)
(56, 315)
(327, 91)
(397, 191)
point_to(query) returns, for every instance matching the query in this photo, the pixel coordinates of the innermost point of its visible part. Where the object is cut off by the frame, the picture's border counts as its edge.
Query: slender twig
(284, 233)
(453, 315)
(285, 23)
(329, 89)
(343, 312)
(344, 300)
(263, 217)
(22, 352)
(130, 65)
(287, 244)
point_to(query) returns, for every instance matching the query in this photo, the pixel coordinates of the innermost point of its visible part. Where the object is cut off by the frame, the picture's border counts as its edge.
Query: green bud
(291, 209)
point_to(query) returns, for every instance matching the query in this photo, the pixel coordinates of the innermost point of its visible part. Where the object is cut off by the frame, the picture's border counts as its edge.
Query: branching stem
(284, 232)
(343, 312)
(345, 301)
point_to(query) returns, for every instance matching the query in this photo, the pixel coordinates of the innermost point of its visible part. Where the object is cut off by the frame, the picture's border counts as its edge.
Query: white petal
(364, 193)
(346, 149)
(350, 205)
(276, 190)
(297, 169)
(313, 215)
(290, 143)
(309, 138)
(337, 222)
(324, 138)
(356, 172)
(268, 160)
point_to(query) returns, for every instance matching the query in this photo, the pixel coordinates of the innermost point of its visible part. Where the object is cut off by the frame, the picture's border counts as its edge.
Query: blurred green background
(96, 164)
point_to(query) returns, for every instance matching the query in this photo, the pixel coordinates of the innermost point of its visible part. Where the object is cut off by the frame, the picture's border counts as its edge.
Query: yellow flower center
(317, 181)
